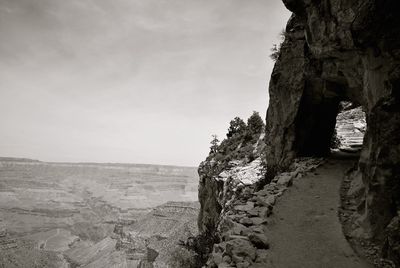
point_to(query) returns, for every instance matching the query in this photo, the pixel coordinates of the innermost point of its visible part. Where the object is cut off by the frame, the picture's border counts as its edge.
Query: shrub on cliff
(275, 51)
(241, 143)
(214, 144)
(276, 48)
(182, 258)
(236, 127)
(255, 124)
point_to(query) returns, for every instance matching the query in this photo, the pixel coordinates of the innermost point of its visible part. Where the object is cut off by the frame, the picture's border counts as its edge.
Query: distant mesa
(17, 159)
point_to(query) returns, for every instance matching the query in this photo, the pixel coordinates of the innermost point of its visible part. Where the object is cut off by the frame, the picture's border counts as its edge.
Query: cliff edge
(334, 51)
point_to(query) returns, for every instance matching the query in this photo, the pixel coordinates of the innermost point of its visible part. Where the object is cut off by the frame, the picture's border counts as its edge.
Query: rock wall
(232, 164)
(245, 215)
(341, 50)
(229, 169)
(216, 193)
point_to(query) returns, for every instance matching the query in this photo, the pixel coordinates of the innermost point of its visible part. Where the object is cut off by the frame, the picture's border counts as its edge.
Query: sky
(131, 81)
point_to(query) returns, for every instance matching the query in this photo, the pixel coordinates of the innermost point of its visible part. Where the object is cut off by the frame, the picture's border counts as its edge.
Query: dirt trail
(305, 230)
(54, 235)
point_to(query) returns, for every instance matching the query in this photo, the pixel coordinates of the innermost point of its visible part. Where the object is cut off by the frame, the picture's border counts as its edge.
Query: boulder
(256, 229)
(285, 179)
(270, 199)
(239, 229)
(247, 207)
(259, 240)
(258, 221)
(246, 221)
(240, 249)
(255, 212)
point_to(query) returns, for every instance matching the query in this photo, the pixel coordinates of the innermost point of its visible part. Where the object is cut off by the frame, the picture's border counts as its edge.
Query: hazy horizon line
(28, 159)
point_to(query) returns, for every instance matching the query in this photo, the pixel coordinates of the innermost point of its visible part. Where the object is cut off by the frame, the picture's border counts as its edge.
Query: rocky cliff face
(235, 212)
(218, 187)
(342, 50)
(245, 212)
(230, 169)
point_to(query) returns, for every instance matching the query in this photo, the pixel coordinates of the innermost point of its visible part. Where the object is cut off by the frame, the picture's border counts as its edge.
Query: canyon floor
(304, 230)
(58, 214)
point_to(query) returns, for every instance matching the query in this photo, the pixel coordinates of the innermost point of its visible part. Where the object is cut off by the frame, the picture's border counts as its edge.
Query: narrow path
(50, 237)
(305, 230)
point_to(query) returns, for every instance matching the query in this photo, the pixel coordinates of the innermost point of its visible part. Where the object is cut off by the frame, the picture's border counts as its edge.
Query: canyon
(317, 186)
(93, 215)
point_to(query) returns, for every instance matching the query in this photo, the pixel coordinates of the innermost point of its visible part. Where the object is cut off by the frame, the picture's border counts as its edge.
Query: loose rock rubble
(244, 219)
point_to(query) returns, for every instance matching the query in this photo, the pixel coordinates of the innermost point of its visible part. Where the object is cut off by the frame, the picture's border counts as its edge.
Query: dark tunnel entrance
(326, 124)
(315, 125)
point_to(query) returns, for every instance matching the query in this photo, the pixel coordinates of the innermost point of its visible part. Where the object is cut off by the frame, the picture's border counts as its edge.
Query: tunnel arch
(331, 55)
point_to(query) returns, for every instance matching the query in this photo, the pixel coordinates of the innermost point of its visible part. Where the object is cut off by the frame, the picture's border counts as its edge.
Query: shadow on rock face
(341, 50)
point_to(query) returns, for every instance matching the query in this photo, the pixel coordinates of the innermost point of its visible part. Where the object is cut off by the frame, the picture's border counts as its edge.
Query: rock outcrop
(242, 221)
(342, 50)
(231, 168)
(233, 164)
(217, 193)
(235, 207)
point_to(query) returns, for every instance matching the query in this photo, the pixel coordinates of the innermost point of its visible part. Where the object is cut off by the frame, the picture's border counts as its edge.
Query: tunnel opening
(328, 122)
(315, 122)
(350, 128)
(328, 117)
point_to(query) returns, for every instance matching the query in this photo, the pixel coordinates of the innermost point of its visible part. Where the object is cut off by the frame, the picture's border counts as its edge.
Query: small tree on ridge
(255, 124)
(214, 144)
(236, 126)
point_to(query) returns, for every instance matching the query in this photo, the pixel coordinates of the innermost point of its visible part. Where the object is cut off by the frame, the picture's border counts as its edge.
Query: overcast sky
(139, 81)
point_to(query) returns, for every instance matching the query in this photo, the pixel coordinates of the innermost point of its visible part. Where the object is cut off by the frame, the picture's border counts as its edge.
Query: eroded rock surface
(341, 50)
(350, 129)
(218, 193)
(243, 219)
